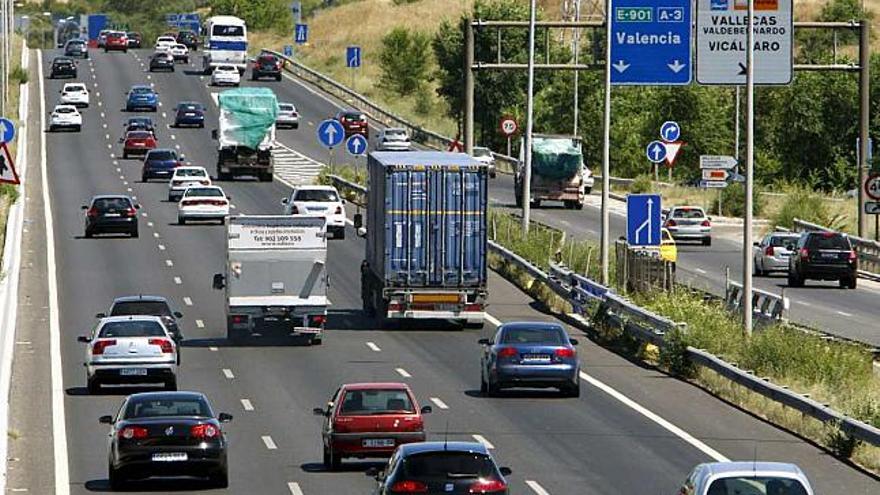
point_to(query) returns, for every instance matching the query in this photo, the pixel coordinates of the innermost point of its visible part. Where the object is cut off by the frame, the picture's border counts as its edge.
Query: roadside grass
(9, 193)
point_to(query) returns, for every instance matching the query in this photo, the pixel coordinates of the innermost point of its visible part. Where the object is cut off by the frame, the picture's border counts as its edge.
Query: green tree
(404, 60)
(260, 15)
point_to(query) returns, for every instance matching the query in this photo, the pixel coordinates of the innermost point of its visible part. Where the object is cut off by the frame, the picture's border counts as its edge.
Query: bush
(9, 191)
(642, 184)
(733, 201)
(806, 205)
(18, 75)
(404, 60)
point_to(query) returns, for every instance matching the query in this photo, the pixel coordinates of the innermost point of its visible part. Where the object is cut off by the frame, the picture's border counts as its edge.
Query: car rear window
(139, 135)
(688, 213)
(152, 408)
(112, 204)
(759, 485)
(148, 308)
(190, 172)
(64, 110)
(318, 195)
(204, 192)
(190, 107)
(144, 121)
(286, 107)
(482, 152)
(141, 91)
(161, 155)
(517, 335)
(376, 401)
(353, 116)
(445, 465)
(783, 240)
(132, 328)
(823, 241)
(227, 31)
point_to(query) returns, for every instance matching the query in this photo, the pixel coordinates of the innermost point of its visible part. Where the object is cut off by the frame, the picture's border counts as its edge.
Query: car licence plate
(133, 372)
(536, 358)
(170, 457)
(378, 442)
(111, 214)
(190, 114)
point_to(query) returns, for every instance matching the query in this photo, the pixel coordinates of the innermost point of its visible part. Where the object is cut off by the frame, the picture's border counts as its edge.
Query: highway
(632, 430)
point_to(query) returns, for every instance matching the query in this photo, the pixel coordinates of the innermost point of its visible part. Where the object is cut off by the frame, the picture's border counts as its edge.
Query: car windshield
(227, 68)
(318, 195)
(482, 152)
(189, 107)
(227, 31)
(148, 308)
(833, 241)
(688, 213)
(132, 328)
(525, 335)
(783, 240)
(112, 204)
(161, 407)
(445, 465)
(161, 155)
(204, 192)
(143, 121)
(756, 485)
(141, 91)
(139, 135)
(190, 172)
(376, 401)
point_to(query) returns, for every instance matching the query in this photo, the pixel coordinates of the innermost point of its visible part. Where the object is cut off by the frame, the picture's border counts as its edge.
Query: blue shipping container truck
(426, 237)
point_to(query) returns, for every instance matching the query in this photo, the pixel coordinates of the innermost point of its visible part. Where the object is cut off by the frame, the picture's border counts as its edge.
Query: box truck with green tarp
(558, 172)
(246, 133)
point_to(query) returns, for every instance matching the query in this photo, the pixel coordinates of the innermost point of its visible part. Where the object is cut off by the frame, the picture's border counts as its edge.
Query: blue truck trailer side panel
(426, 219)
(97, 22)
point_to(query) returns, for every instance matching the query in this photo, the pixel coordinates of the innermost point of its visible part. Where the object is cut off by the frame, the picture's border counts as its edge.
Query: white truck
(226, 43)
(275, 278)
(246, 133)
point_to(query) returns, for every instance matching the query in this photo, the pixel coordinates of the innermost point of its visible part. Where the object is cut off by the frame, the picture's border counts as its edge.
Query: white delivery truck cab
(276, 277)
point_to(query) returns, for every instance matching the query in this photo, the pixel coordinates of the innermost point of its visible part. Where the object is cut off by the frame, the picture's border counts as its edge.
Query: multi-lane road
(633, 430)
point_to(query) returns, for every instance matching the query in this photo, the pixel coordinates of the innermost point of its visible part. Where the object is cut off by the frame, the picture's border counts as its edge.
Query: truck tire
(367, 296)
(536, 203)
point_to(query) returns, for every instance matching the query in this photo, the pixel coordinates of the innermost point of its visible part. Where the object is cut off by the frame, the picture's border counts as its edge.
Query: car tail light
(93, 212)
(165, 344)
(131, 212)
(237, 319)
(317, 320)
(133, 432)
(473, 307)
(338, 210)
(189, 202)
(204, 182)
(564, 352)
(853, 256)
(100, 345)
(706, 223)
(409, 486)
(670, 223)
(507, 352)
(484, 486)
(805, 254)
(768, 251)
(178, 164)
(394, 306)
(204, 431)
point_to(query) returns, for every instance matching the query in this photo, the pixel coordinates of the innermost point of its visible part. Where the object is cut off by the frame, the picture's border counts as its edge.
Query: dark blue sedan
(189, 113)
(160, 164)
(141, 97)
(529, 354)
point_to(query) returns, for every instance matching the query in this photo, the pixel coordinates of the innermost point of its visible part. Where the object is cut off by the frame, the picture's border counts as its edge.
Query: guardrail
(767, 307)
(868, 250)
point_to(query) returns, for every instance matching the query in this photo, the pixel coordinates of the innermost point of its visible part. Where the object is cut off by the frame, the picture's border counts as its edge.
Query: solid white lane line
(294, 488)
(714, 454)
(246, 404)
(270, 444)
(402, 372)
(228, 373)
(482, 440)
(537, 488)
(177, 280)
(844, 313)
(373, 347)
(200, 323)
(169, 263)
(494, 321)
(187, 301)
(700, 270)
(439, 403)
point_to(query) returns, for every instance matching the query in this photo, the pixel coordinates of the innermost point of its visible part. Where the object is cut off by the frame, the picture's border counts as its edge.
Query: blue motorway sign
(356, 145)
(288, 50)
(643, 219)
(330, 133)
(301, 34)
(650, 43)
(7, 130)
(353, 57)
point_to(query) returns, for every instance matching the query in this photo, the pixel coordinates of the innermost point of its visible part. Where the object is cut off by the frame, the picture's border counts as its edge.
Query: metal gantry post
(750, 171)
(864, 118)
(606, 150)
(468, 125)
(576, 49)
(530, 106)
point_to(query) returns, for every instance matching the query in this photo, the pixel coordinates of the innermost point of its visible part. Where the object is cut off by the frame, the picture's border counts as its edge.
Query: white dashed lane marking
(402, 372)
(537, 488)
(439, 403)
(213, 349)
(294, 488)
(161, 247)
(373, 347)
(246, 404)
(228, 373)
(482, 440)
(187, 301)
(270, 444)
(169, 263)
(200, 323)
(177, 280)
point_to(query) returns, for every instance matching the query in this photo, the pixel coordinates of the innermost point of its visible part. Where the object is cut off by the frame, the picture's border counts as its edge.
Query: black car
(456, 468)
(139, 124)
(189, 113)
(62, 67)
(266, 65)
(134, 39)
(160, 164)
(161, 61)
(189, 39)
(147, 306)
(111, 214)
(823, 256)
(157, 434)
(76, 48)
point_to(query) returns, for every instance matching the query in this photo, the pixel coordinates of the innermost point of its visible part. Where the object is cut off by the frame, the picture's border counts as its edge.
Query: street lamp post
(48, 16)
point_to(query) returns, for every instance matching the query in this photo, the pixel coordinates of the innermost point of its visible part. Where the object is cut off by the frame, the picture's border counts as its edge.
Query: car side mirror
(224, 417)
(100, 315)
(484, 342)
(178, 314)
(214, 134)
(343, 201)
(506, 471)
(427, 409)
(756, 244)
(218, 282)
(374, 472)
(709, 218)
(137, 206)
(84, 207)
(318, 411)
(83, 338)
(106, 420)
(284, 201)
(358, 220)
(573, 341)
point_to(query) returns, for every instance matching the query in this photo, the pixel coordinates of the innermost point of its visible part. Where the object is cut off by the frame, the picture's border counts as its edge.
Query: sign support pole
(750, 171)
(864, 118)
(606, 149)
(530, 107)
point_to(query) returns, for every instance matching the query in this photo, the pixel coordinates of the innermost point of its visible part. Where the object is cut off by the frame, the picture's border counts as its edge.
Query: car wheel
(51, 128)
(707, 241)
(278, 77)
(181, 221)
(340, 234)
(171, 384)
(124, 155)
(572, 390)
(222, 221)
(756, 271)
(134, 233)
(93, 385)
(220, 479)
(89, 234)
(848, 283)
(78, 128)
(492, 389)
(484, 389)
(794, 280)
(144, 178)
(117, 480)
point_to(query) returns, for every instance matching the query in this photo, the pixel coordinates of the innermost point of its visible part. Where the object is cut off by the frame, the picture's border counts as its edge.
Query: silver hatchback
(287, 116)
(689, 223)
(772, 252)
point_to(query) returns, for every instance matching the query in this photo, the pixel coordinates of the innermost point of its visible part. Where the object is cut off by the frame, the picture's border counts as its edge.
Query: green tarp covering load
(555, 158)
(246, 115)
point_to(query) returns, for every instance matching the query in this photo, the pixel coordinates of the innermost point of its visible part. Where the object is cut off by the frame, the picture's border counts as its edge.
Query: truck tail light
(487, 486)
(204, 431)
(98, 348)
(238, 319)
(394, 306)
(339, 210)
(410, 486)
(768, 251)
(133, 432)
(294, 210)
(165, 344)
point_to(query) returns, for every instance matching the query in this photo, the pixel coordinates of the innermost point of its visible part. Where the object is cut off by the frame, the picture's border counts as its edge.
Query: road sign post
(643, 219)
(651, 44)
(353, 60)
(508, 127)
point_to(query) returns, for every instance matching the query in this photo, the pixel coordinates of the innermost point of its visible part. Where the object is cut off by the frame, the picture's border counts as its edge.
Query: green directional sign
(634, 14)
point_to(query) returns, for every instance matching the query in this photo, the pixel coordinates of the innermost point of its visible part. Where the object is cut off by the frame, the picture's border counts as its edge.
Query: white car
(318, 200)
(689, 223)
(164, 43)
(746, 478)
(65, 117)
(76, 94)
(180, 52)
(484, 155)
(393, 139)
(772, 252)
(225, 75)
(203, 203)
(130, 350)
(184, 178)
(287, 116)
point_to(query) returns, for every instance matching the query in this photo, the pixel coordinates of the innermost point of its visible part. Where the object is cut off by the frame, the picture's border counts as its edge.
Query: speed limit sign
(508, 126)
(872, 187)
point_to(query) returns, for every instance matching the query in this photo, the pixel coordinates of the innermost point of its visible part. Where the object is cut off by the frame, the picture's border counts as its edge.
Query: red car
(353, 122)
(370, 420)
(116, 40)
(138, 143)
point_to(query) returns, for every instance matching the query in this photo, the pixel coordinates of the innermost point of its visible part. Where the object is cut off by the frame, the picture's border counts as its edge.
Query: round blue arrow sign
(330, 133)
(656, 151)
(670, 131)
(7, 130)
(356, 145)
